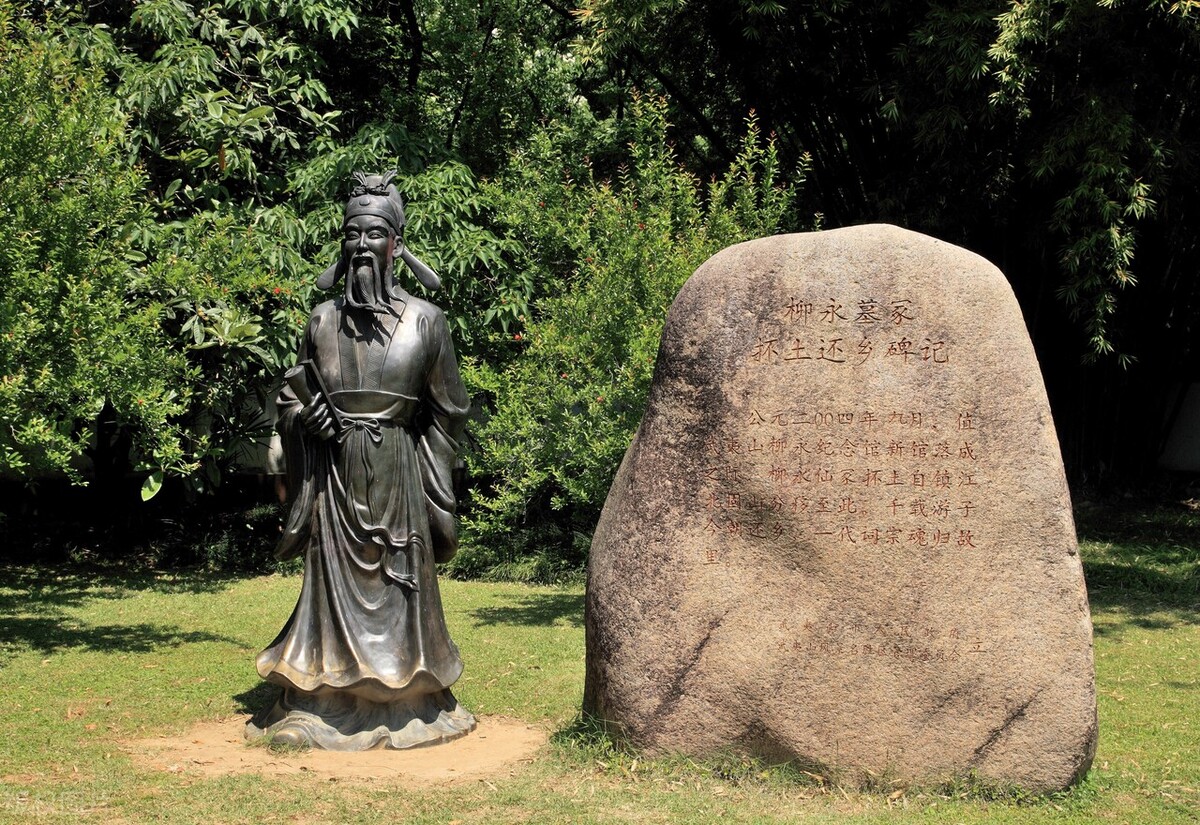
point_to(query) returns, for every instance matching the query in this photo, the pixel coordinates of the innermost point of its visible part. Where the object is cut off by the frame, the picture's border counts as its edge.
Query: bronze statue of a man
(370, 420)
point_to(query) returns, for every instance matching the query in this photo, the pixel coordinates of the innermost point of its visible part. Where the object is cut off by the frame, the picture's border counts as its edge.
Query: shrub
(608, 257)
(78, 363)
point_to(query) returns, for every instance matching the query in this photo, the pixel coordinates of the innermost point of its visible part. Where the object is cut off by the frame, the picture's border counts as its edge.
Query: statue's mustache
(365, 266)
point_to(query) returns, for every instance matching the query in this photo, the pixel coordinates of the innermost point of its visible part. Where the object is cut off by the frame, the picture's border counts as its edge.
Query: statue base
(341, 721)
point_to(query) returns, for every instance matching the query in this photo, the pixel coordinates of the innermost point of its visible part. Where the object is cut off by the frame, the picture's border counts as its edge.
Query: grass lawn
(90, 660)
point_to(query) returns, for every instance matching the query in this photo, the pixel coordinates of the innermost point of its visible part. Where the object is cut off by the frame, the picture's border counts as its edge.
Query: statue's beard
(365, 287)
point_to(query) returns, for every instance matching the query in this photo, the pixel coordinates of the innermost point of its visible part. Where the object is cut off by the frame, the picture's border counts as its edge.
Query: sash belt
(370, 426)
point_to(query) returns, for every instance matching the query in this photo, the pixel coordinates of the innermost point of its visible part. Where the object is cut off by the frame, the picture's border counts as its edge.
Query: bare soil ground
(497, 746)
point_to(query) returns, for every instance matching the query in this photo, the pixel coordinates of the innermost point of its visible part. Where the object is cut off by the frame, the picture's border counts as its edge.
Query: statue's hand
(318, 418)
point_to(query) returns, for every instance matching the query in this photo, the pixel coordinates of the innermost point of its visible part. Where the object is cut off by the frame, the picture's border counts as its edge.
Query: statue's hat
(377, 195)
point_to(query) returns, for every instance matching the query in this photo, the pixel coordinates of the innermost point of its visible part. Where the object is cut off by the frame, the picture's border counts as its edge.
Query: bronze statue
(370, 420)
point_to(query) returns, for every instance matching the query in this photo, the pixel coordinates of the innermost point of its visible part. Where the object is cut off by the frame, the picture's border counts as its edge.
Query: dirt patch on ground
(496, 747)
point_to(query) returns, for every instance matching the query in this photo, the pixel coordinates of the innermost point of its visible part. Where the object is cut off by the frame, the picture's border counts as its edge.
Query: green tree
(224, 97)
(610, 256)
(1104, 90)
(233, 110)
(1055, 137)
(1079, 119)
(494, 71)
(82, 367)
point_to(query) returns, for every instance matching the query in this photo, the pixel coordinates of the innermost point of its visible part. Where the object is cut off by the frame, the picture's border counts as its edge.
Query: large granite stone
(843, 534)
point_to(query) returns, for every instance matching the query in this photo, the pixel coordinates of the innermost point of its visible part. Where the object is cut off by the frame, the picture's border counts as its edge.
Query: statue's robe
(371, 513)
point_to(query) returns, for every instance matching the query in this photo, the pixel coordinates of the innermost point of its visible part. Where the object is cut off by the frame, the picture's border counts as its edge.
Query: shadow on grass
(31, 587)
(1143, 561)
(535, 609)
(49, 635)
(258, 699)
(33, 601)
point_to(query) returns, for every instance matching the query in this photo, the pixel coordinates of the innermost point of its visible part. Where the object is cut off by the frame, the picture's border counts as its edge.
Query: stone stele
(842, 534)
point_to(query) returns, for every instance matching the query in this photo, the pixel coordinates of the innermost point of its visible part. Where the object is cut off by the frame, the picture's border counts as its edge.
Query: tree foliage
(235, 114)
(1054, 137)
(1047, 134)
(171, 172)
(78, 359)
(1102, 86)
(606, 258)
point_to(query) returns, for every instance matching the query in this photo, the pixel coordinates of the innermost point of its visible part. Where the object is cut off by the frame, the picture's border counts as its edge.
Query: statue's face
(368, 239)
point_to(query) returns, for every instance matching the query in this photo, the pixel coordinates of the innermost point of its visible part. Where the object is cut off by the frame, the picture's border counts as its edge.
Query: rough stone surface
(842, 534)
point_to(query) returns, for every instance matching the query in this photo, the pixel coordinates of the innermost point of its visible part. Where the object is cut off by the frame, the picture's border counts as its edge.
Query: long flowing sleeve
(440, 426)
(302, 455)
